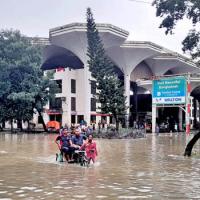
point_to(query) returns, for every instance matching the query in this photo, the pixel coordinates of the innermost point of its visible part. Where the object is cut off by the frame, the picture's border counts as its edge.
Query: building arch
(141, 71)
(55, 56)
(168, 72)
(177, 70)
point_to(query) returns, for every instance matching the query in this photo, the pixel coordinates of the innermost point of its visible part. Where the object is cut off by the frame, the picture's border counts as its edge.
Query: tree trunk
(42, 120)
(19, 124)
(3, 124)
(188, 149)
(1, 127)
(28, 127)
(11, 125)
(117, 123)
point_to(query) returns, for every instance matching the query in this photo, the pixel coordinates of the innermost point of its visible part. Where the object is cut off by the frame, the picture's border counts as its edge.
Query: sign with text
(169, 91)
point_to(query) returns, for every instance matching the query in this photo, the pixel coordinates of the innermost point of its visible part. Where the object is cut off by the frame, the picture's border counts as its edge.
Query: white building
(137, 62)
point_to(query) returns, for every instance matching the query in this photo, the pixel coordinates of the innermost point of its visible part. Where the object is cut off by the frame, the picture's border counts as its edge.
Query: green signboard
(169, 91)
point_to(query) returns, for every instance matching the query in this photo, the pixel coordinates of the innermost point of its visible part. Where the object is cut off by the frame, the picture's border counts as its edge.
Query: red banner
(189, 88)
(100, 114)
(60, 69)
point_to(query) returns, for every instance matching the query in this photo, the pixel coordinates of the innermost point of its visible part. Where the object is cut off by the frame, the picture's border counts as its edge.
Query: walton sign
(169, 91)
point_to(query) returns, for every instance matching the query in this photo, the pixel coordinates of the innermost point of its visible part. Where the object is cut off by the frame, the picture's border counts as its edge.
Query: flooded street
(150, 168)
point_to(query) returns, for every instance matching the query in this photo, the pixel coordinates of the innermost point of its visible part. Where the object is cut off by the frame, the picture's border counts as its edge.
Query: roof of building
(113, 33)
(82, 27)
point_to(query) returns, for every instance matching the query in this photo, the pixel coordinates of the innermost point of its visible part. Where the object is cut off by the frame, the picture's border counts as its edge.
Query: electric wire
(140, 1)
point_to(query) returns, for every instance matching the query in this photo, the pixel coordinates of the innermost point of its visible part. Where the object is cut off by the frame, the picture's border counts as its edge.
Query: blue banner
(169, 91)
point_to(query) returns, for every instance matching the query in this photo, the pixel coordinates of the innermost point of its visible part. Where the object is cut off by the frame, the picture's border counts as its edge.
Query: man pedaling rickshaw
(64, 144)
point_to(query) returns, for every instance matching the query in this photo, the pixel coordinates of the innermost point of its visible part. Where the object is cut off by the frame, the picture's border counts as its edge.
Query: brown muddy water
(150, 168)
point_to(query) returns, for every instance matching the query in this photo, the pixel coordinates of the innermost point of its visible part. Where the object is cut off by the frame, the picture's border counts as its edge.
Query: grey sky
(36, 17)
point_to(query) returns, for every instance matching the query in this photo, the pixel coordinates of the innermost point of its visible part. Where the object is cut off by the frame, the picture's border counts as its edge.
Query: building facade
(137, 62)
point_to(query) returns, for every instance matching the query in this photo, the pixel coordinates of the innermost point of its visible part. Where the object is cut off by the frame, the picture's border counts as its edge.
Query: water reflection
(150, 168)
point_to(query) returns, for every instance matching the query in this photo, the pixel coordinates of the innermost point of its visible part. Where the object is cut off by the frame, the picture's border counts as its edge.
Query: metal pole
(187, 120)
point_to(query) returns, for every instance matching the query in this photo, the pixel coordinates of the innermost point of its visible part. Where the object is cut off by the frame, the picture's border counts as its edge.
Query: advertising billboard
(169, 91)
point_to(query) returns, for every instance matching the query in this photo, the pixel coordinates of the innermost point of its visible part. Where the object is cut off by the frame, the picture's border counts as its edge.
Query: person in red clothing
(90, 148)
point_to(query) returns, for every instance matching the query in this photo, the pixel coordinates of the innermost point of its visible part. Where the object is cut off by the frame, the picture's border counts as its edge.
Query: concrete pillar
(66, 118)
(44, 114)
(198, 119)
(154, 113)
(127, 91)
(198, 112)
(180, 117)
(127, 94)
(46, 118)
(87, 93)
(66, 97)
(191, 112)
(195, 112)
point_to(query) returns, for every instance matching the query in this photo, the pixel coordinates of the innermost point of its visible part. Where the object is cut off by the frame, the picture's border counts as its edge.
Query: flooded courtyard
(149, 168)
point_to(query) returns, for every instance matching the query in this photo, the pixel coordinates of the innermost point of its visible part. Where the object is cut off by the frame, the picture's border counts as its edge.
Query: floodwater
(150, 168)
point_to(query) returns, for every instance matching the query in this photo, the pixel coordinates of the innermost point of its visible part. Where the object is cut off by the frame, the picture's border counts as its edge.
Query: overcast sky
(36, 17)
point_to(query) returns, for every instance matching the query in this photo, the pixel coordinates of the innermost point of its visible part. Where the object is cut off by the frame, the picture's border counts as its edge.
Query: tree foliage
(174, 10)
(23, 88)
(111, 90)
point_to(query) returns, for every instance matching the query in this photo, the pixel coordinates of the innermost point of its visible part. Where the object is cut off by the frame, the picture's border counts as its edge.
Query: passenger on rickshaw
(90, 148)
(64, 143)
(61, 130)
(78, 139)
(77, 142)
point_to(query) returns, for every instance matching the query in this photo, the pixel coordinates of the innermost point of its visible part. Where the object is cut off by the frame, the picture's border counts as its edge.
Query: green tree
(23, 88)
(110, 88)
(173, 11)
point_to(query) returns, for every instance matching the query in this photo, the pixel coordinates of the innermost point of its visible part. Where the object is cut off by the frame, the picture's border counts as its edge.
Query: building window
(93, 87)
(59, 86)
(93, 104)
(93, 119)
(80, 118)
(73, 86)
(73, 119)
(73, 104)
(57, 118)
(111, 120)
(52, 117)
(103, 119)
(55, 103)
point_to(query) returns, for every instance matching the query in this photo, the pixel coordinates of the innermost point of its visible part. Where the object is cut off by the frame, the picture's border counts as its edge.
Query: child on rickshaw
(90, 149)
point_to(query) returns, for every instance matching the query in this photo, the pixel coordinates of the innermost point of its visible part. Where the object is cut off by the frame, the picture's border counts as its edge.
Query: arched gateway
(66, 53)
